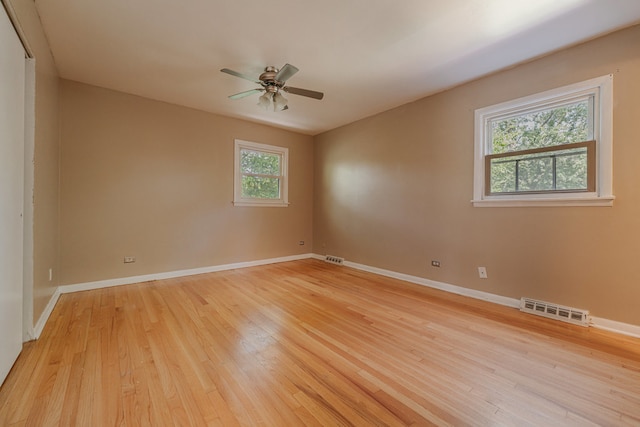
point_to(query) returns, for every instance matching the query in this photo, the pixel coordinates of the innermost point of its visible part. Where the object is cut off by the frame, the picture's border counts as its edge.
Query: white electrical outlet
(482, 272)
(129, 259)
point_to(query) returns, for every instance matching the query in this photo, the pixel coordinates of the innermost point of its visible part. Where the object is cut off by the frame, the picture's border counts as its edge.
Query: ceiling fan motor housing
(268, 79)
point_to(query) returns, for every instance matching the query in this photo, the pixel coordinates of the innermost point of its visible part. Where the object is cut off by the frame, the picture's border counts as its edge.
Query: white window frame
(601, 88)
(283, 152)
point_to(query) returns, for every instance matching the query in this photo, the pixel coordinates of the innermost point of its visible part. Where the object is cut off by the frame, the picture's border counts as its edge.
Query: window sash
(591, 167)
(591, 97)
(263, 152)
(245, 190)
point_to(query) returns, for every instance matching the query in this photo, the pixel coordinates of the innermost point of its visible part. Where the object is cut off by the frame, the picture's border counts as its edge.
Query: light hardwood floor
(309, 343)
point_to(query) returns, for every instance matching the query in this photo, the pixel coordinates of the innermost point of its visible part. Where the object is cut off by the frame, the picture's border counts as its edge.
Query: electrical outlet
(301, 242)
(129, 259)
(482, 272)
(435, 263)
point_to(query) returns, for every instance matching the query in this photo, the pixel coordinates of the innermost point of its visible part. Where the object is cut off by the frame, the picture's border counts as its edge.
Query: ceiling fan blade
(304, 92)
(285, 73)
(245, 93)
(242, 76)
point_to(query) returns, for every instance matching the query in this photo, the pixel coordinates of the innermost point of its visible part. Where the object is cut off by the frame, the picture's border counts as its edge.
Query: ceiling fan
(272, 81)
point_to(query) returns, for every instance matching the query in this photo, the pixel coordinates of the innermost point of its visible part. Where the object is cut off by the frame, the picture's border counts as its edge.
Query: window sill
(518, 202)
(262, 204)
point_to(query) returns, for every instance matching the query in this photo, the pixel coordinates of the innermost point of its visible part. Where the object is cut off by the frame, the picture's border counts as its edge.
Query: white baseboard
(44, 317)
(65, 289)
(173, 274)
(459, 290)
(614, 326)
(596, 322)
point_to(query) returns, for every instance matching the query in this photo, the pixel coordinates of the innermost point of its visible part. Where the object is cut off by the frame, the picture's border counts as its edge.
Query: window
(260, 174)
(552, 148)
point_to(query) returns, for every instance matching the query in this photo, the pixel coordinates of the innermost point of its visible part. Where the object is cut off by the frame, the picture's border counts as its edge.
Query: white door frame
(28, 332)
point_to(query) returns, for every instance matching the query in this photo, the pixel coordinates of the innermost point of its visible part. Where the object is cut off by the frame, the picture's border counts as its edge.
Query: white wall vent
(555, 311)
(334, 259)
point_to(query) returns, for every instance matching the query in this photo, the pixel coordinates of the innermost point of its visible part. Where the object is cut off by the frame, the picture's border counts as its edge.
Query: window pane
(572, 171)
(535, 174)
(503, 176)
(554, 126)
(257, 162)
(547, 171)
(260, 187)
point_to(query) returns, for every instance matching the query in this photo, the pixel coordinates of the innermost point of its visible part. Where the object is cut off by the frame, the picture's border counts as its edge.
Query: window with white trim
(260, 174)
(551, 148)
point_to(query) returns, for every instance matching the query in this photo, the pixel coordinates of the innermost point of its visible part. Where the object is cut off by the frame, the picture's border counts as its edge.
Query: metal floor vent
(334, 259)
(555, 311)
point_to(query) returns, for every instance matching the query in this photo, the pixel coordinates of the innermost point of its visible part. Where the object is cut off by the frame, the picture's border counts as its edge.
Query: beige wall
(46, 237)
(152, 180)
(393, 191)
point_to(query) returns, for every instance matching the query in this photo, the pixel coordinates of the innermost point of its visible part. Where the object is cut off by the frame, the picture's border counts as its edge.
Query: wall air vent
(334, 259)
(555, 311)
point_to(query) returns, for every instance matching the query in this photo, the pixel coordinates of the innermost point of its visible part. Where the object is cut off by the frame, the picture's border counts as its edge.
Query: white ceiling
(367, 56)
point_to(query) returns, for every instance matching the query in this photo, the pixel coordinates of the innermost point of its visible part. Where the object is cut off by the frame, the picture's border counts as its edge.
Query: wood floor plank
(310, 343)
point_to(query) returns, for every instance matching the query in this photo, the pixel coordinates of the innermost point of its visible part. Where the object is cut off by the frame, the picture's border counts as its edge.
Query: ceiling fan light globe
(279, 102)
(265, 100)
